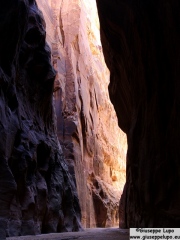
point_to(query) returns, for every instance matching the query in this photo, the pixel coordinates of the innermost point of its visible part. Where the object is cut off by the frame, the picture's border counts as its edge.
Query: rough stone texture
(141, 44)
(88, 234)
(37, 194)
(93, 145)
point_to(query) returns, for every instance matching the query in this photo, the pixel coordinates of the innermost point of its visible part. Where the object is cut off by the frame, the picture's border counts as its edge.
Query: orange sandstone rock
(93, 144)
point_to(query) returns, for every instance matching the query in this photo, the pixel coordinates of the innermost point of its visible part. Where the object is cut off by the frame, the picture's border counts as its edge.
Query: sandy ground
(88, 234)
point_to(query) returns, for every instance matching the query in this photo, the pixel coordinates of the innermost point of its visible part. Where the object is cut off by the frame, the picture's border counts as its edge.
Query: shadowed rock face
(141, 46)
(37, 193)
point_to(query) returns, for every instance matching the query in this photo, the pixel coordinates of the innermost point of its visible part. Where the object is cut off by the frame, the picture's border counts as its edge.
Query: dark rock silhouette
(141, 45)
(37, 194)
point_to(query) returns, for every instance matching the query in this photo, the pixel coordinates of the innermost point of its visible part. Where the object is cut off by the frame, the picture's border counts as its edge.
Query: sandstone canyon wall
(37, 193)
(93, 145)
(141, 44)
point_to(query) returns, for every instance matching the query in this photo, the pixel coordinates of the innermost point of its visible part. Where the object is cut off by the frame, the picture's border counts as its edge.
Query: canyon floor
(88, 234)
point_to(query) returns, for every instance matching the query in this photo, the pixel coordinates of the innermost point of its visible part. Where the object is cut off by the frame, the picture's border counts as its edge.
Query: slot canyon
(63, 164)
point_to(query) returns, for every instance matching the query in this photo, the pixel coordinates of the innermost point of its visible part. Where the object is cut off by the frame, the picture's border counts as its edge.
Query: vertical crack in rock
(37, 194)
(61, 24)
(93, 144)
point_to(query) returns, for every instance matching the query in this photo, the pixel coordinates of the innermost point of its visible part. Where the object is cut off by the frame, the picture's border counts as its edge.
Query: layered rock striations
(93, 145)
(37, 193)
(141, 45)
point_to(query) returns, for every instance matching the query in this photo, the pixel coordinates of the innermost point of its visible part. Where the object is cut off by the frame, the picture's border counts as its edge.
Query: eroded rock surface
(37, 194)
(141, 44)
(93, 145)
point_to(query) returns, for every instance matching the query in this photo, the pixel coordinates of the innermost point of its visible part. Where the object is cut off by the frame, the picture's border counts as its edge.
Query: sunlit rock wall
(93, 145)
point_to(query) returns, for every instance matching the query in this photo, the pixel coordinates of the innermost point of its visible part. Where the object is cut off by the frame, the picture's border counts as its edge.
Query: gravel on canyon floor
(87, 234)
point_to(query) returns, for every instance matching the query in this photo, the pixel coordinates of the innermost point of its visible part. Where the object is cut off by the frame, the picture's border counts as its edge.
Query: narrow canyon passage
(63, 160)
(93, 145)
(63, 171)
